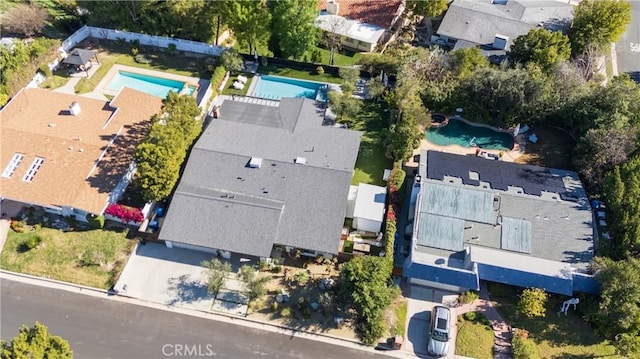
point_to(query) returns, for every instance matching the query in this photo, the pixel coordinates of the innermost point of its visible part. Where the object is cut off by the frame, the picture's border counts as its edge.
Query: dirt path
(502, 331)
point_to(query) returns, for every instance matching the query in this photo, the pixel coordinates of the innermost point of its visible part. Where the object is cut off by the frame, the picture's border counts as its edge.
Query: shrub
(477, 318)
(263, 61)
(263, 264)
(141, 59)
(285, 312)
(216, 78)
(125, 213)
(316, 56)
(277, 269)
(19, 226)
(95, 221)
(45, 70)
(533, 302)
(320, 70)
(373, 330)
(522, 346)
(302, 277)
(171, 48)
(274, 306)
(31, 242)
(134, 51)
(467, 297)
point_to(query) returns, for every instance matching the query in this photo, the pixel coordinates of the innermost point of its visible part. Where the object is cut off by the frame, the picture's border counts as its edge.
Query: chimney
(255, 162)
(300, 160)
(74, 109)
(333, 7)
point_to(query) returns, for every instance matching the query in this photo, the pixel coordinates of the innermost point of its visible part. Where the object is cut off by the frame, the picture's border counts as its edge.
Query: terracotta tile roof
(37, 123)
(376, 12)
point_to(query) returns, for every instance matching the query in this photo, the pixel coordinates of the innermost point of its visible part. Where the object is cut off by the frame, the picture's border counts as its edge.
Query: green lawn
(229, 90)
(299, 74)
(110, 54)
(371, 162)
(475, 338)
(400, 311)
(60, 255)
(343, 58)
(556, 336)
(55, 81)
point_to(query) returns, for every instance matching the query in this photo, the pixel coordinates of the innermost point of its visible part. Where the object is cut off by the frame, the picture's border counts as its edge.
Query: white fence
(149, 40)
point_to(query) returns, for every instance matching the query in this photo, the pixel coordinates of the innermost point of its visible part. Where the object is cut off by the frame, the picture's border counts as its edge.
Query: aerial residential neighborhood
(320, 179)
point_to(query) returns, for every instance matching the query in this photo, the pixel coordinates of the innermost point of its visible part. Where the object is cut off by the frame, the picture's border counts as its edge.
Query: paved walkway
(502, 331)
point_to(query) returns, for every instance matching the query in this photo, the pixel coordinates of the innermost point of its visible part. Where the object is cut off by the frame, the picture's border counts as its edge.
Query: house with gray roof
(262, 176)
(478, 219)
(494, 24)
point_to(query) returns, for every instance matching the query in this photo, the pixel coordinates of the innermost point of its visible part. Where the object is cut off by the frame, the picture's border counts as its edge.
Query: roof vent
(300, 161)
(74, 109)
(52, 124)
(255, 162)
(333, 7)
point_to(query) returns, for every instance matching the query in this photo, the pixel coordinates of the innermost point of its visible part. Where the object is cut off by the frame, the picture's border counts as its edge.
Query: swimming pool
(156, 86)
(275, 88)
(462, 133)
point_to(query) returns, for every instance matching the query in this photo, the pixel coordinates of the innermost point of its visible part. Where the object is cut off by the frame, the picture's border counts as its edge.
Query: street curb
(221, 317)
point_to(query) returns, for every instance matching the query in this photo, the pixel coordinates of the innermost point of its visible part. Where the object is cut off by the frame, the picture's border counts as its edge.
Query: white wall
(363, 224)
(190, 247)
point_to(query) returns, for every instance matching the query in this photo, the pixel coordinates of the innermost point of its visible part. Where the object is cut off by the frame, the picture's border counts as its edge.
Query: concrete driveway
(175, 277)
(421, 301)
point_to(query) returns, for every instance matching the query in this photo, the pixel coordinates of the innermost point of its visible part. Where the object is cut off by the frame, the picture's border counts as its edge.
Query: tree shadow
(187, 290)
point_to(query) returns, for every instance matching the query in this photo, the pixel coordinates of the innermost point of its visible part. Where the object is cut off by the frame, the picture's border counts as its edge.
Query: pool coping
(475, 124)
(508, 156)
(257, 77)
(115, 69)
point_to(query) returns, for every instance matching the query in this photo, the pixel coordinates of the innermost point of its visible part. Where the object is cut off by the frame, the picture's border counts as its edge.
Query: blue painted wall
(444, 275)
(585, 283)
(524, 279)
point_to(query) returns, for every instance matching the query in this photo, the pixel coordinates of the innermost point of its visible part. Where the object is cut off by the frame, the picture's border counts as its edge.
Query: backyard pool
(275, 88)
(459, 132)
(152, 85)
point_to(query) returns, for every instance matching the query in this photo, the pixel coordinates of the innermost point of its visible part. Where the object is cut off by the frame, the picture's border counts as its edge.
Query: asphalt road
(101, 328)
(628, 47)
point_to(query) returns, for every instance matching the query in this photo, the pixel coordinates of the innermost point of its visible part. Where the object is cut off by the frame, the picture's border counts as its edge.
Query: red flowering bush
(125, 213)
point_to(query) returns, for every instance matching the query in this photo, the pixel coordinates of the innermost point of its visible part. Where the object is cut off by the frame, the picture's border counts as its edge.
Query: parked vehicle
(440, 330)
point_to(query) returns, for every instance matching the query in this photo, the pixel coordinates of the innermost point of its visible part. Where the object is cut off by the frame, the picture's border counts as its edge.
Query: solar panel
(516, 235)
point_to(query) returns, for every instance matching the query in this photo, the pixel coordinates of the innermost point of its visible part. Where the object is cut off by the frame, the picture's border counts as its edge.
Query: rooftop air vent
(500, 42)
(74, 109)
(255, 162)
(300, 161)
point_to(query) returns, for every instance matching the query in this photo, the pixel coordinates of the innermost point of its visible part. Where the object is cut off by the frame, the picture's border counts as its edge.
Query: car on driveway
(440, 330)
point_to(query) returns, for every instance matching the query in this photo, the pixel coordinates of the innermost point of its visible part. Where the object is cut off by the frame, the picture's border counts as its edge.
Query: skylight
(13, 164)
(33, 169)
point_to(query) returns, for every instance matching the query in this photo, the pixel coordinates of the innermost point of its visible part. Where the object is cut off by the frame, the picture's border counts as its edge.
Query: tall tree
(599, 23)
(466, 61)
(36, 342)
(542, 47)
(331, 34)
(249, 21)
(120, 14)
(622, 195)
(293, 26)
(426, 8)
(618, 313)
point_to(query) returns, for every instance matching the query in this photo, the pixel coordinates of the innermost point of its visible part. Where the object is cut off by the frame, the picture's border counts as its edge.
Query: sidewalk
(79, 289)
(502, 331)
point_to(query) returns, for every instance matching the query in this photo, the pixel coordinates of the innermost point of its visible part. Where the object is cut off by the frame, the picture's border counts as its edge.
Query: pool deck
(102, 86)
(508, 156)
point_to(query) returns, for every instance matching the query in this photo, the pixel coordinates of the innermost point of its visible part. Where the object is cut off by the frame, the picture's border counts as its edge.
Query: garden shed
(366, 206)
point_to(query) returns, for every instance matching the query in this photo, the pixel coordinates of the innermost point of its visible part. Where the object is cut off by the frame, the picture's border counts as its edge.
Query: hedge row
(216, 79)
(396, 180)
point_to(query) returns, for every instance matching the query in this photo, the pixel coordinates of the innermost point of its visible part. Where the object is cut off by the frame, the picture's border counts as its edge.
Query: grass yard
(371, 161)
(556, 336)
(553, 149)
(342, 58)
(299, 74)
(93, 258)
(55, 81)
(230, 90)
(475, 336)
(109, 54)
(400, 310)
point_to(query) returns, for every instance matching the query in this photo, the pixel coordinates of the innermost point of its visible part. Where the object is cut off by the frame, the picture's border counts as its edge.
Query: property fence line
(144, 39)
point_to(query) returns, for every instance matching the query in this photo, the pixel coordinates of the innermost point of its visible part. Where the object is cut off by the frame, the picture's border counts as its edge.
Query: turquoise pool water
(458, 132)
(275, 88)
(156, 86)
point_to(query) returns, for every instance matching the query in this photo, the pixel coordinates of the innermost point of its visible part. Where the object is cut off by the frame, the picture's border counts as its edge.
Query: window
(13, 164)
(33, 169)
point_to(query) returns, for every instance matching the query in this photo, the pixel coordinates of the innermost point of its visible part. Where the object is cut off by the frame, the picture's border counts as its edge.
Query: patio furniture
(238, 85)
(242, 79)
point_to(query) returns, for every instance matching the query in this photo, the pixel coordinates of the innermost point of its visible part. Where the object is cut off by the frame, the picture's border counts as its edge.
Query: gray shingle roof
(223, 203)
(478, 21)
(559, 227)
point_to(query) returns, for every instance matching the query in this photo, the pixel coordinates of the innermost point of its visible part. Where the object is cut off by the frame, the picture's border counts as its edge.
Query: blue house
(477, 219)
